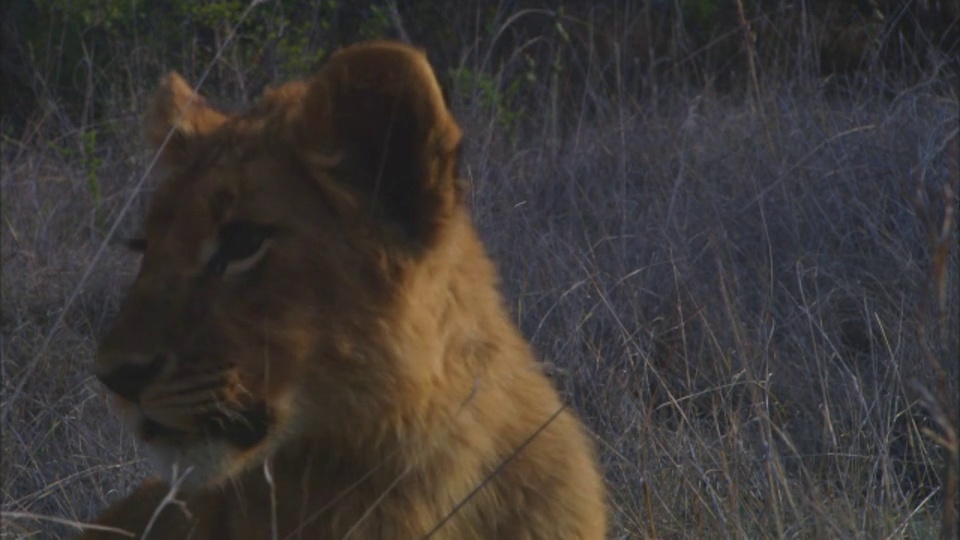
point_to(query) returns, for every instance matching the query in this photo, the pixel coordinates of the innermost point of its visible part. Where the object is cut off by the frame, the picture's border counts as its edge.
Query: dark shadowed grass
(738, 298)
(63, 452)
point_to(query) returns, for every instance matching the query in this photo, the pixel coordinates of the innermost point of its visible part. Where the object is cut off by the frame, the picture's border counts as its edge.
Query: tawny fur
(401, 398)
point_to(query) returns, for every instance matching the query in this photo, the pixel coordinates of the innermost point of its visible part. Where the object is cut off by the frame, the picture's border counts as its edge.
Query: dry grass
(742, 310)
(743, 300)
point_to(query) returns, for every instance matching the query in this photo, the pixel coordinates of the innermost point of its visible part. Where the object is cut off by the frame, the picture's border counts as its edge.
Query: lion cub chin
(315, 336)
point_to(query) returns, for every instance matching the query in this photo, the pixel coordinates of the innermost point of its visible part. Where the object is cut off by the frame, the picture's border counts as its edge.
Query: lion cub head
(274, 251)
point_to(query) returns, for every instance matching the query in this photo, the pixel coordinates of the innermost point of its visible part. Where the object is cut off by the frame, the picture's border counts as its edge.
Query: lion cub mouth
(242, 429)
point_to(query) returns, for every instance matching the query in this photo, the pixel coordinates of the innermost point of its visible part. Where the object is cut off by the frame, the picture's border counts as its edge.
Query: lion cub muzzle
(129, 379)
(177, 405)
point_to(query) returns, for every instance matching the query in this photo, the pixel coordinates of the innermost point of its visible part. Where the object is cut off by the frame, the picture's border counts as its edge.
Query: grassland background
(743, 274)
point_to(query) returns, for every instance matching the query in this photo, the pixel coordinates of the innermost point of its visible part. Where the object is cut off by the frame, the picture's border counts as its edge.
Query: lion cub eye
(240, 245)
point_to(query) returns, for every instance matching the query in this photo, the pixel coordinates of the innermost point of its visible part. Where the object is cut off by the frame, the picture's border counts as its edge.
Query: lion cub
(315, 346)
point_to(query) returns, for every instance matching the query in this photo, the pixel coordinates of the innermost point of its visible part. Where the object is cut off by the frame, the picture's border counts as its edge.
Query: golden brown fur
(317, 334)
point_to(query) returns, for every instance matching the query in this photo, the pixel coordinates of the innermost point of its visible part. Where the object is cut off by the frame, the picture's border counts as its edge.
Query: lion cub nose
(131, 376)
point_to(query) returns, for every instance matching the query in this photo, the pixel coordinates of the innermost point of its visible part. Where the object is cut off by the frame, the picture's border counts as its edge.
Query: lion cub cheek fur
(447, 421)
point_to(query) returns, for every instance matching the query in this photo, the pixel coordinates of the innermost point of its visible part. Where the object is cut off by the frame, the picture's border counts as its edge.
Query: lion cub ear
(178, 109)
(376, 116)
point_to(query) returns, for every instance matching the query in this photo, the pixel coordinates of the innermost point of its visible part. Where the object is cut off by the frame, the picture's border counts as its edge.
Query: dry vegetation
(752, 301)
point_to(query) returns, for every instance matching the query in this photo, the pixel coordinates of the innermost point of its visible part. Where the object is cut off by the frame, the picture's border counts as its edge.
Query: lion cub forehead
(193, 202)
(283, 96)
